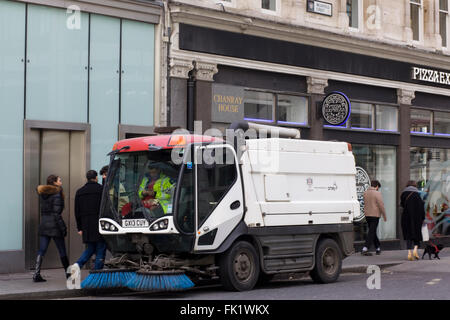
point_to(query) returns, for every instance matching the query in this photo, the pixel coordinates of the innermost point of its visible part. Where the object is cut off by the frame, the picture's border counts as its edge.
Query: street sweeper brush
(173, 280)
(108, 279)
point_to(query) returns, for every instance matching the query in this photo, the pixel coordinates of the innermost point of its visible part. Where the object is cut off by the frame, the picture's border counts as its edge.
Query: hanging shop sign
(319, 7)
(430, 75)
(227, 103)
(336, 108)
(362, 184)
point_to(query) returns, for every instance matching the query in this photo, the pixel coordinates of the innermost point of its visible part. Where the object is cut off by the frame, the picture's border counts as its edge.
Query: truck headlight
(160, 225)
(107, 226)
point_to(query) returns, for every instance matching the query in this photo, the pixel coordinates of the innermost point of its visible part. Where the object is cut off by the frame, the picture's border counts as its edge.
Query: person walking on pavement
(412, 218)
(373, 210)
(87, 209)
(52, 226)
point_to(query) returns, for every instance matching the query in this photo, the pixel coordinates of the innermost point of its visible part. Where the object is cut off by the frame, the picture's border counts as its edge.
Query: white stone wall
(384, 21)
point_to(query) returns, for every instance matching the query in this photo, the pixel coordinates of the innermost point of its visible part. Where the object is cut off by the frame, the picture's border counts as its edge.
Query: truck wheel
(239, 267)
(328, 262)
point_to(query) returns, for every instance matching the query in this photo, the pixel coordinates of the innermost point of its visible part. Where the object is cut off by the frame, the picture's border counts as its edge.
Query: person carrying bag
(412, 218)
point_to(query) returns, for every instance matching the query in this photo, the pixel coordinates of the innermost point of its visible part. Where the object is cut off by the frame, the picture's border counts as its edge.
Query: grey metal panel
(288, 244)
(302, 229)
(279, 265)
(31, 203)
(77, 173)
(288, 252)
(55, 153)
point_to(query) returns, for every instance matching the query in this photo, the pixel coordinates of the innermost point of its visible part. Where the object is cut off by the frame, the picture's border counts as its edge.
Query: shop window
(380, 163)
(386, 118)
(429, 167)
(441, 123)
(420, 121)
(258, 106)
(292, 109)
(416, 18)
(367, 116)
(443, 21)
(353, 13)
(361, 116)
(275, 108)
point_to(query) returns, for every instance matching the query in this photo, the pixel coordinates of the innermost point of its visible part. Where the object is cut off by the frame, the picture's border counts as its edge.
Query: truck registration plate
(135, 223)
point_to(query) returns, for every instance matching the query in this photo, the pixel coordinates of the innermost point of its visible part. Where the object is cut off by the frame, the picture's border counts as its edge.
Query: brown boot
(410, 256)
(416, 255)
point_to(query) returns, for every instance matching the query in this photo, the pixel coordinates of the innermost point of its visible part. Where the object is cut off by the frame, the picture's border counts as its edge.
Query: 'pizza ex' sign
(430, 75)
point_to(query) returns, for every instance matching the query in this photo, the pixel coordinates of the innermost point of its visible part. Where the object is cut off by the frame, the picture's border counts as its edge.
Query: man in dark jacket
(87, 209)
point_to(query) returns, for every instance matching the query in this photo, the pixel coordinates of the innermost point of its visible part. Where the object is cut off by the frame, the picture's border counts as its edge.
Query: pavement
(19, 286)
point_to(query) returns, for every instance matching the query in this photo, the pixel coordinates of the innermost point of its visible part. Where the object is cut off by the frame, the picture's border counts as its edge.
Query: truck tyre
(239, 267)
(328, 260)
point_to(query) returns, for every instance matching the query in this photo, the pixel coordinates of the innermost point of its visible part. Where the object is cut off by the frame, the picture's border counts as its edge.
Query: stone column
(204, 73)
(404, 98)
(316, 87)
(179, 70)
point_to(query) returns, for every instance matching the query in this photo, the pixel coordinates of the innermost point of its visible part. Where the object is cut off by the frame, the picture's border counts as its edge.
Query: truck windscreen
(140, 185)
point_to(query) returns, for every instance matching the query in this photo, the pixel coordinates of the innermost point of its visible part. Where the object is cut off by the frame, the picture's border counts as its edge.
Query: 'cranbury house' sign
(429, 75)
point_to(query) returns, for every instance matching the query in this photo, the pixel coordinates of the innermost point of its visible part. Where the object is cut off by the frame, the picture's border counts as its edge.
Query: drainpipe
(191, 101)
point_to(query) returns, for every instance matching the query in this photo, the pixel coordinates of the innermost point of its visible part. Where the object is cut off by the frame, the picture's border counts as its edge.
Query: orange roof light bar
(177, 140)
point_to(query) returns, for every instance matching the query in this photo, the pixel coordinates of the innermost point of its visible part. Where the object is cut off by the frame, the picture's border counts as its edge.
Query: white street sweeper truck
(180, 208)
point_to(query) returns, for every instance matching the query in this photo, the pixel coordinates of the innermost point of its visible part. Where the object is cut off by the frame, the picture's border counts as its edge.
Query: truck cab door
(219, 195)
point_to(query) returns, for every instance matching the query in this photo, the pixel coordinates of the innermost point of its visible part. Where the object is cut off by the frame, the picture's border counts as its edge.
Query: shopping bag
(425, 235)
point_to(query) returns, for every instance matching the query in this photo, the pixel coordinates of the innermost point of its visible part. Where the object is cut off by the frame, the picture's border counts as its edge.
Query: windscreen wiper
(114, 152)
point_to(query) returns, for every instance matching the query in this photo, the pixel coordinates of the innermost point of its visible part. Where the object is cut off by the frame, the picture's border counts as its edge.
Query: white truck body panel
(299, 182)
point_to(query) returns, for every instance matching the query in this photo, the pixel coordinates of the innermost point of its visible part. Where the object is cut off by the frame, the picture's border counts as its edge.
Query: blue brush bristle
(159, 282)
(107, 280)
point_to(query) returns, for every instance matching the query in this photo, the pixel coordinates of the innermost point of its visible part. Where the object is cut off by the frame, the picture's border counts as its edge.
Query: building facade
(75, 76)
(276, 60)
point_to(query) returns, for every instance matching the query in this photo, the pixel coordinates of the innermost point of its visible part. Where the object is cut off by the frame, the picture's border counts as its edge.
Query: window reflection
(380, 164)
(430, 167)
(420, 121)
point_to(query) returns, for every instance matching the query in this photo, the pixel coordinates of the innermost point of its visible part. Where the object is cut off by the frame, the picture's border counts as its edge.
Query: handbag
(425, 234)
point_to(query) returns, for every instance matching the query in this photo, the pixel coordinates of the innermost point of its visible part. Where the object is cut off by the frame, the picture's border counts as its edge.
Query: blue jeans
(99, 248)
(44, 241)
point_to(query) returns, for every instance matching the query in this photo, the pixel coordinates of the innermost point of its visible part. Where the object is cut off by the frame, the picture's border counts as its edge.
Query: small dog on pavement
(432, 248)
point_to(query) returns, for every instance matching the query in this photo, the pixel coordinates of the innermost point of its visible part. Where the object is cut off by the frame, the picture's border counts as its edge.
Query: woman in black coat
(412, 218)
(52, 226)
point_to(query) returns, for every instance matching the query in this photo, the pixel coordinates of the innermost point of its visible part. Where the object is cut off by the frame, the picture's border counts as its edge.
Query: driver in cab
(155, 192)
